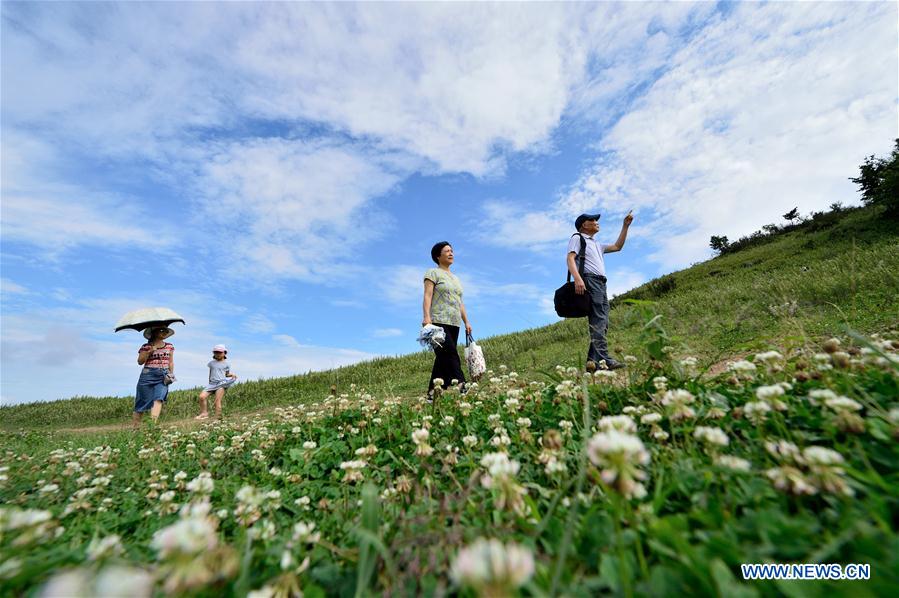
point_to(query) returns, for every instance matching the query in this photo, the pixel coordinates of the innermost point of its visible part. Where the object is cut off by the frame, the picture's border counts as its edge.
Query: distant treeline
(878, 182)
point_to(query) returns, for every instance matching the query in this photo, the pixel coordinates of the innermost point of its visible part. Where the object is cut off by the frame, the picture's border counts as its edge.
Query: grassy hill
(808, 283)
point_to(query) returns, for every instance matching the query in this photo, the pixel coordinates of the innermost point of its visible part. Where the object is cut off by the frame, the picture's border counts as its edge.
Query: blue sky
(277, 173)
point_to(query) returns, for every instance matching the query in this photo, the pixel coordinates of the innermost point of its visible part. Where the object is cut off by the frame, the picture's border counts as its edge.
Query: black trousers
(447, 364)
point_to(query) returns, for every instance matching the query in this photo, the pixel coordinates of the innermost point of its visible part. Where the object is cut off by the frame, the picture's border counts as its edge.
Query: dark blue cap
(584, 218)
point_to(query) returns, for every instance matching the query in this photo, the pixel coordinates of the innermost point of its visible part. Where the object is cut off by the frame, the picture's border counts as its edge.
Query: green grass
(800, 286)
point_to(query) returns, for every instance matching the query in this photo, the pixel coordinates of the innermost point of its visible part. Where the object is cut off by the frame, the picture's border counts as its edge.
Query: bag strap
(582, 255)
(468, 338)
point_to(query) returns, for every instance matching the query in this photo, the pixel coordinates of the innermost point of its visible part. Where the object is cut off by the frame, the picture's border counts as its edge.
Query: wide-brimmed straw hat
(167, 332)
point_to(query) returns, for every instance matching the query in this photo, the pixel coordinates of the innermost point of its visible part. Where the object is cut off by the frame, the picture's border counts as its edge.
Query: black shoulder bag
(567, 302)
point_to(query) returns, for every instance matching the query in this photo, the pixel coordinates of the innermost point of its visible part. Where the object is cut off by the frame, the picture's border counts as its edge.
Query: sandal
(202, 416)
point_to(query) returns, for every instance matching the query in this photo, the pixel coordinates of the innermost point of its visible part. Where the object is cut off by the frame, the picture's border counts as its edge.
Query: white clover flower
(651, 418)
(309, 445)
(49, 489)
(769, 356)
(843, 404)
(202, 484)
(756, 411)
(493, 568)
(511, 404)
(501, 438)
(630, 359)
(499, 465)
(367, 451)
(620, 456)
(180, 476)
(660, 383)
(554, 466)
(470, 441)
(448, 420)
(659, 434)
(791, 480)
(249, 495)
(565, 426)
(741, 367)
(783, 450)
(818, 455)
(567, 389)
(190, 535)
(767, 393)
(678, 402)
(523, 422)
(713, 436)
(353, 470)
(733, 463)
(622, 423)
(101, 548)
(893, 416)
(438, 381)
(420, 436)
(494, 419)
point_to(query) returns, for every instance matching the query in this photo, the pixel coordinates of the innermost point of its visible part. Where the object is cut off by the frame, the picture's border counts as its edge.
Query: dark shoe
(611, 364)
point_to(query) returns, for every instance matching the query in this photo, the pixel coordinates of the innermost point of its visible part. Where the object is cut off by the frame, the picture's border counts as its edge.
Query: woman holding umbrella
(157, 357)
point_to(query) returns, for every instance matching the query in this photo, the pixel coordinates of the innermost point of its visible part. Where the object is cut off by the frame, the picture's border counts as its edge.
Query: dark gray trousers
(598, 318)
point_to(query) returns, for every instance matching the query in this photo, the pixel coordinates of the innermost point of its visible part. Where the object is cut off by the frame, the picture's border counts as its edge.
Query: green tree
(792, 215)
(719, 244)
(878, 182)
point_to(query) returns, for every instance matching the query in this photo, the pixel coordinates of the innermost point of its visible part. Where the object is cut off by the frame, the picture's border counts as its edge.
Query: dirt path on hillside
(187, 423)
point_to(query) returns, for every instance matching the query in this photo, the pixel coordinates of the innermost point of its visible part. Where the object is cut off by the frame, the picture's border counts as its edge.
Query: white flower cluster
(353, 470)
(500, 477)
(809, 471)
(420, 437)
(493, 568)
(31, 526)
(678, 403)
(620, 455)
(714, 437)
(621, 423)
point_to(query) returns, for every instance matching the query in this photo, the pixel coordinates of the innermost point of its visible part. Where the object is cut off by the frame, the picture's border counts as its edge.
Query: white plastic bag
(474, 357)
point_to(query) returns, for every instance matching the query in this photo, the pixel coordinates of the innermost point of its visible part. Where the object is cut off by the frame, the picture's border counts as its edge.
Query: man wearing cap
(594, 282)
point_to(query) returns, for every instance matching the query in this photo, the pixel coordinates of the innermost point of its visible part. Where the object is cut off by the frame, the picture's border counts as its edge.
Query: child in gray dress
(220, 378)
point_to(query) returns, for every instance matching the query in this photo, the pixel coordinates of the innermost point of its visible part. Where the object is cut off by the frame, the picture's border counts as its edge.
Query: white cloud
(772, 107)
(258, 323)
(293, 208)
(58, 216)
(357, 98)
(387, 332)
(8, 287)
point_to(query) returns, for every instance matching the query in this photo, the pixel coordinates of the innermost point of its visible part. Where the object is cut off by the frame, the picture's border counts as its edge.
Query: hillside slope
(802, 285)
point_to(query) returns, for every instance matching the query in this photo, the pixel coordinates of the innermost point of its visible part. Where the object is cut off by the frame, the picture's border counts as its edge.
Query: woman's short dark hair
(436, 250)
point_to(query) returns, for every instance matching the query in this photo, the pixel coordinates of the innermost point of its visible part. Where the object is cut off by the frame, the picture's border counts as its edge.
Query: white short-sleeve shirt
(593, 258)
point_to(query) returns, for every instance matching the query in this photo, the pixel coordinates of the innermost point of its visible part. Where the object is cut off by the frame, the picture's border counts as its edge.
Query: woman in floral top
(443, 307)
(157, 357)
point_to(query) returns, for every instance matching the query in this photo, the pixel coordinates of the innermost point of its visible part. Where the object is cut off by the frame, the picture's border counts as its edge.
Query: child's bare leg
(203, 408)
(135, 419)
(156, 410)
(219, 393)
